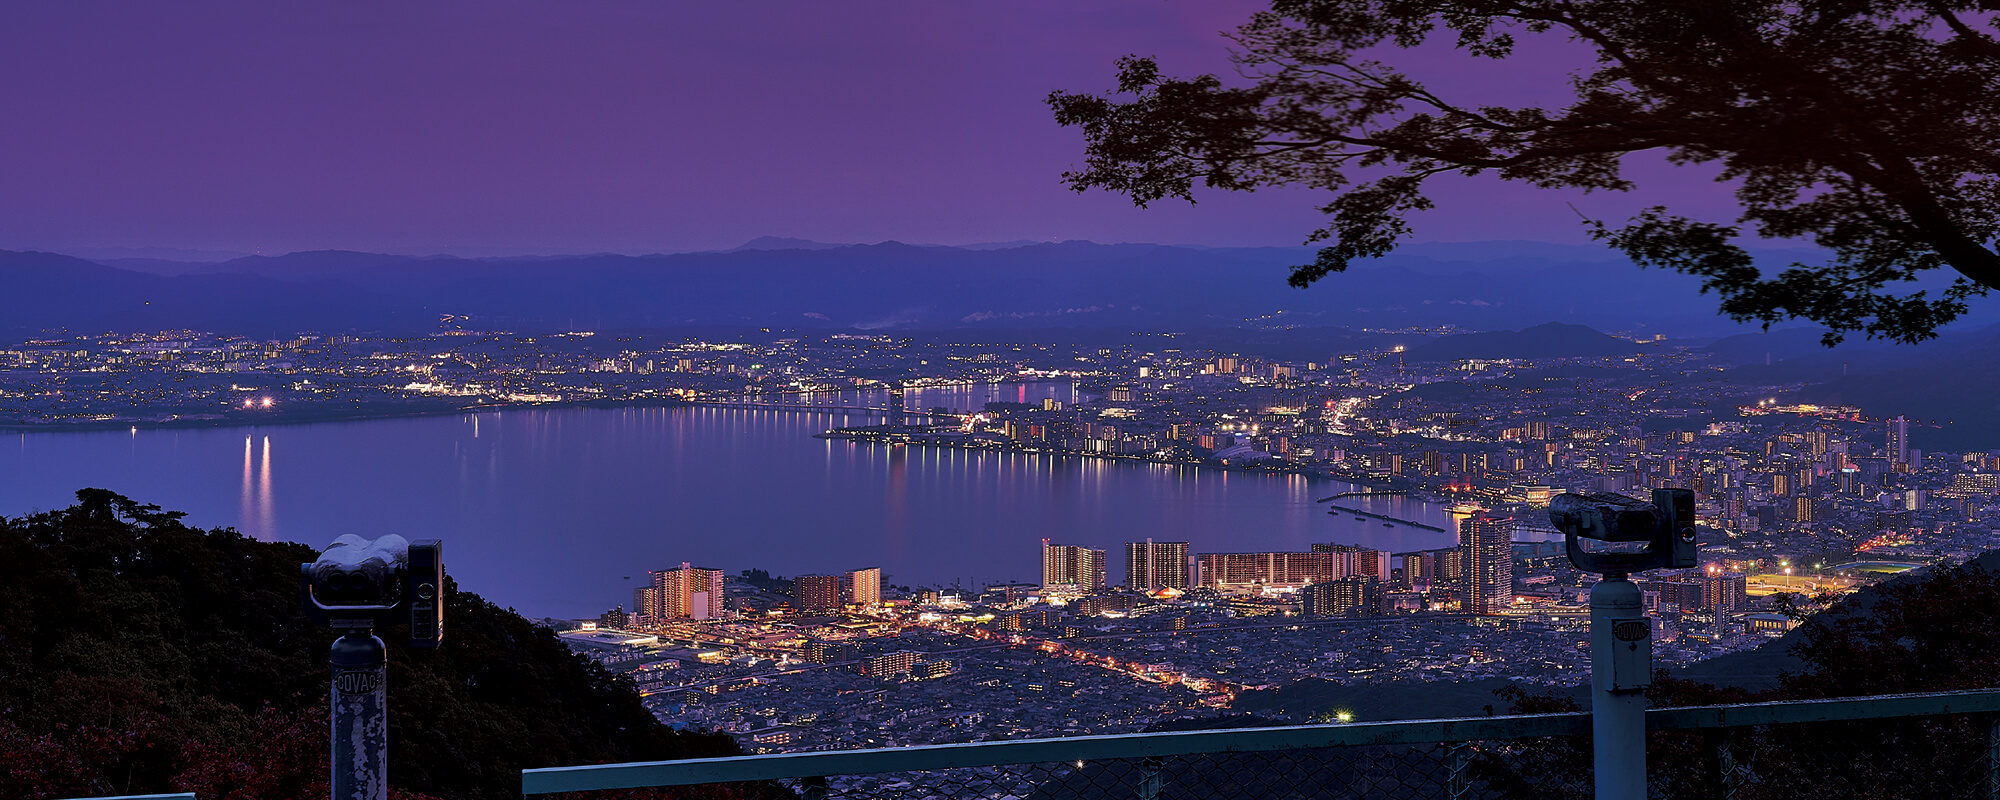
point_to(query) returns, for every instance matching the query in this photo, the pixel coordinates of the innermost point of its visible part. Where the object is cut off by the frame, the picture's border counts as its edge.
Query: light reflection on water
(561, 511)
(256, 514)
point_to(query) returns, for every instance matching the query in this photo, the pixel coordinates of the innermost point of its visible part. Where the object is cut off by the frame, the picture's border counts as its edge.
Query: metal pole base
(360, 717)
(1621, 666)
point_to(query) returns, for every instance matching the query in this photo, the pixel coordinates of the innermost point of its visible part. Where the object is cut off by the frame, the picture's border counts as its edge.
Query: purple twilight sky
(501, 127)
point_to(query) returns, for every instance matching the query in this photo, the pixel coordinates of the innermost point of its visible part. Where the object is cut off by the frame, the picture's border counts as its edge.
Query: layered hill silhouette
(1552, 340)
(796, 284)
(45, 290)
(1948, 387)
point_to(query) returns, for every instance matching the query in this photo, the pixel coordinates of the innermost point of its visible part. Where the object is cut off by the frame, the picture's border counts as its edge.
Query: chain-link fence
(1415, 771)
(1905, 746)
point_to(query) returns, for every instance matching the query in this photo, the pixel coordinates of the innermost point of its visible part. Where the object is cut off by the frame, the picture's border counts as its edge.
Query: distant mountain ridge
(1948, 387)
(46, 290)
(1552, 340)
(799, 284)
(782, 243)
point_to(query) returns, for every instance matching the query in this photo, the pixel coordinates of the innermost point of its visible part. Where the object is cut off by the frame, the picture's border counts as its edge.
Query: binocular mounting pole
(360, 716)
(1614, 536)
(1621, 655)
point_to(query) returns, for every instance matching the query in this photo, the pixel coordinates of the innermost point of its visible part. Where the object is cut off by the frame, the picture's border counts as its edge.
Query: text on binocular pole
(358, 681)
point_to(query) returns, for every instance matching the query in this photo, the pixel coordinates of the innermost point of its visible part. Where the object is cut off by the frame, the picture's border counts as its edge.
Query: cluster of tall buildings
(826, 594)
(1250, 572)
(1333, 578)
(1479, 572)
(1070, 570)
(689, 592)
(1698, 591)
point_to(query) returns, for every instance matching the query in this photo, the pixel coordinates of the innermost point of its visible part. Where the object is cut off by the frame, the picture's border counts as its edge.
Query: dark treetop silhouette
(1871, 128)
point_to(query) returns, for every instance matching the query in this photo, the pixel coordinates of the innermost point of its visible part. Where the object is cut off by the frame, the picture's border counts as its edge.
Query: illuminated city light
(1466, 454)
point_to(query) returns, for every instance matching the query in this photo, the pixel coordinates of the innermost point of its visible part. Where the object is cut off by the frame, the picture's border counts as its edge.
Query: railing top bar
(181, 796)
(1095, 748)
(1785, 712)
(1027, 751)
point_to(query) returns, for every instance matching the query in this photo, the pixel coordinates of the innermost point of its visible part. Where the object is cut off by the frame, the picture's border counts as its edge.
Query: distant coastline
(310, 417)
(313, 416)
(918, 439)
(288, 418)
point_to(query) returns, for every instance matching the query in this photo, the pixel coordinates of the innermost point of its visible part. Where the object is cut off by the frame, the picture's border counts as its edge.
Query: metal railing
(181, 796)
(1915, 745)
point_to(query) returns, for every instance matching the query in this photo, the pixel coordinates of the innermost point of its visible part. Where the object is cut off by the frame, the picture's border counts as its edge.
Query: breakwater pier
(1392, 520)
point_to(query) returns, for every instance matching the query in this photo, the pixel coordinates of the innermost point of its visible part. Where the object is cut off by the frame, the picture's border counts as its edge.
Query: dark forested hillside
(139, 655)
(1928, 631)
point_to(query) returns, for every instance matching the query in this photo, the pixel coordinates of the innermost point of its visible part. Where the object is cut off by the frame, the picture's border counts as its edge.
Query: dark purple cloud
(627, 126)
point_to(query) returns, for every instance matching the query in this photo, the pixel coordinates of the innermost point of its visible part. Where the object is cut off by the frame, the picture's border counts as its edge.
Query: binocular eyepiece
(357, 572)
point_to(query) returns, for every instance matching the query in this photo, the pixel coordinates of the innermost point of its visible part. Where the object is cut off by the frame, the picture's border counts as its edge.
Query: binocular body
(361, 584)
(1614, 534)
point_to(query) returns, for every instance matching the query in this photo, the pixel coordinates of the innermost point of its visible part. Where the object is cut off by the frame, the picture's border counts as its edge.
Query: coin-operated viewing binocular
(1611, 533)
(359, 584)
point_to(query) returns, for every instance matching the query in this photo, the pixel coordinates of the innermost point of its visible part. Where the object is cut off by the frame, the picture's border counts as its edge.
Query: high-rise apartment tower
(1151, 565)
(863, 587)
(1487, 541)
(646, 605)
(1069, 569)
(688, 592)
(817, 594)
(1899, 441)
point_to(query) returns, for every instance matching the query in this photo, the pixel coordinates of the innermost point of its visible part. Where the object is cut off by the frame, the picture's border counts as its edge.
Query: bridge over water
(1367, 493)
(821, 407)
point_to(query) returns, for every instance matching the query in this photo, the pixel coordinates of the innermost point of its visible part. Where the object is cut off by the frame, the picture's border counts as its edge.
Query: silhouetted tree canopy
(140, 655)
(1868, 127)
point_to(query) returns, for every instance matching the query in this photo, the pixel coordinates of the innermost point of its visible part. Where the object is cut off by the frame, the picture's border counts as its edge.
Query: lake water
(560, 512)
